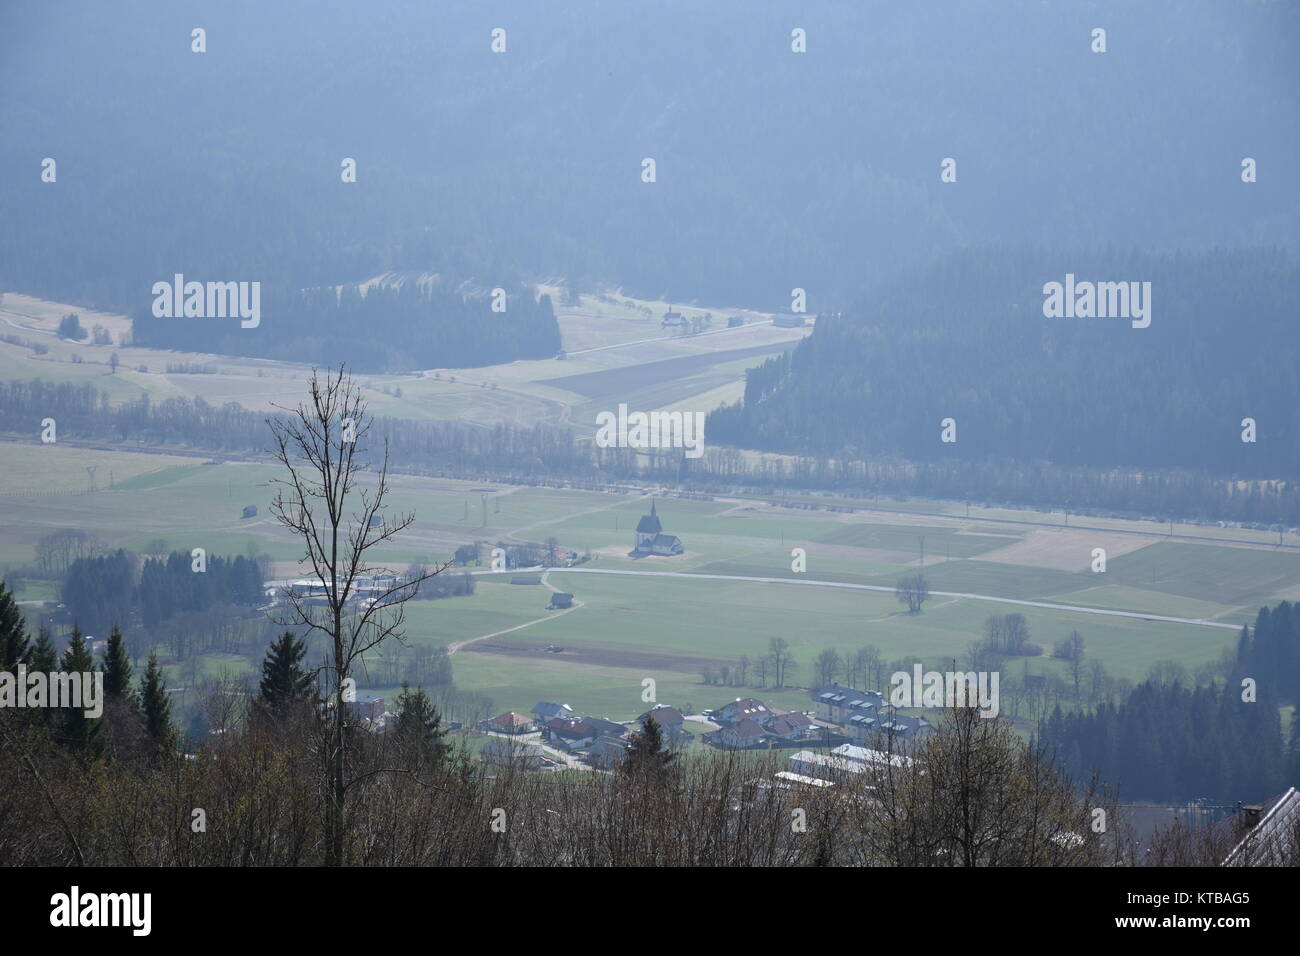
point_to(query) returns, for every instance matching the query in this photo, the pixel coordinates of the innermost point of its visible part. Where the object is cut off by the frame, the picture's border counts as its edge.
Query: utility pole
(922, 538)
(90, 470)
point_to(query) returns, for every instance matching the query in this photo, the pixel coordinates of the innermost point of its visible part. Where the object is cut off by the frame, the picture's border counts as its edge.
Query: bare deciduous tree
(340, 520)
(913, 591)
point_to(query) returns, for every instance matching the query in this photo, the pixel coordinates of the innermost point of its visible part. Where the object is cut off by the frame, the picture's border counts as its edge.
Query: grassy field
(667, 629)
(626, 332)
(627, 629)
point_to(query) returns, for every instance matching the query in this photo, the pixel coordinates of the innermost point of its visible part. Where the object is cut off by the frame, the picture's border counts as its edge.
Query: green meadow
(630, 629)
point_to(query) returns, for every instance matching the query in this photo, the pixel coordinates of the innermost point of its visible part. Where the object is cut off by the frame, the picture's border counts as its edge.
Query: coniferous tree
(117, 669)
(43, 656)
(284, 680)
(419, 724)
(82, 733)
(157, 708)
(14, 646)
(646, 755)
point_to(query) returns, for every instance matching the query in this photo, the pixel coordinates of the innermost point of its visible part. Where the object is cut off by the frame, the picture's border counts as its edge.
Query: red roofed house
(512, 723)
(741, 736)
(791, 726)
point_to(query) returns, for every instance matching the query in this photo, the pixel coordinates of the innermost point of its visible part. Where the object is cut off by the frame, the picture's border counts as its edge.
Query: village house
(512, 723)
(838, 704)
(570, 733)
(512, 754)
(559, 601)
(368, 706)
(744, 735)
(606, 753)
(742, 708)
(670, 721)
(544, 711)
(607, 728)
(1271, 836)
(791, 727)
(864, 729)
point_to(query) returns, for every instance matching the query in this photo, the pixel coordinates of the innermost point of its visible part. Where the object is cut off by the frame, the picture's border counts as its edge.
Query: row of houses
(600, 742)
(747, 723)
(865, 716)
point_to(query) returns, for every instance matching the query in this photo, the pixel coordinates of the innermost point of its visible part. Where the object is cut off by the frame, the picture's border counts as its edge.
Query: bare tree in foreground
(322, 444)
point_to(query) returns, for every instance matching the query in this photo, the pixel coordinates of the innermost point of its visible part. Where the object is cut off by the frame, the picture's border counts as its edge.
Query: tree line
(121, 589)
(386, 328)
(1175, 739)
(511, 453)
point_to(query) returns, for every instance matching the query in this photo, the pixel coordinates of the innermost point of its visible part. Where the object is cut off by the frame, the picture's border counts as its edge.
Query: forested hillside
(1176, 740)
(774, 169)
(388, 328)
(967, 339)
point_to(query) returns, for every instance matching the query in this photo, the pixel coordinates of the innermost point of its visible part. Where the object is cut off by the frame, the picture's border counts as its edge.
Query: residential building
(606, 753)
(837, 703)
(512, 754)
(545, 710)
(742, 708)
(368, 706)
(570, 733)
(744, 735)
(791, 726)
(512, 723)
(1273, 834)
(607, 728)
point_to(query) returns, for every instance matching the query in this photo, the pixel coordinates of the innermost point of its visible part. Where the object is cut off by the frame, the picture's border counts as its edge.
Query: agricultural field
(636, 622)
(631, 625)
(616, 351)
